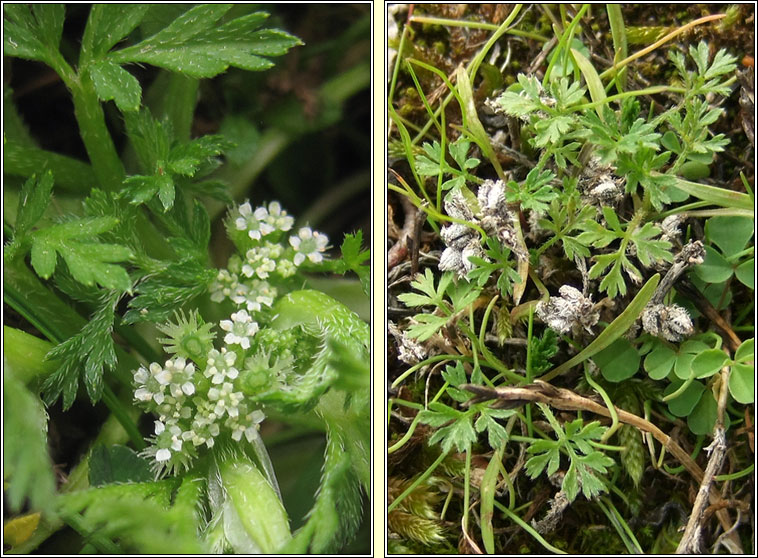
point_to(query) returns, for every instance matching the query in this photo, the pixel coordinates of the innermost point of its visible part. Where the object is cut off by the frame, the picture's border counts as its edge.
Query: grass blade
(595, 86)
(618, 33)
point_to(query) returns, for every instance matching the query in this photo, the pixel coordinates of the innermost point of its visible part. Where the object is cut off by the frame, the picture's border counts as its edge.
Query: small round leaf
(659, 362)
(703, 416)
(715, 268)
(683, 365)
(695, 170)
(683, 405)
(731, 234)
(745, 351)
(742, 383)
(619, 361)
(708, 362)
(745, 272)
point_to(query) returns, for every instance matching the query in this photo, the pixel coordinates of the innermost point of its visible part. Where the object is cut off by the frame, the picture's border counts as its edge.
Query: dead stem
(691, 540)
(399, 250)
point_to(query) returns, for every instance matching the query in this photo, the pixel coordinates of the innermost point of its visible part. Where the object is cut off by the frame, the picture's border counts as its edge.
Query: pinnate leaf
(34, 199)
(193, 44)
(108, 24)
(114, 83)
(32, 31)
(88, 261)
(28, 470)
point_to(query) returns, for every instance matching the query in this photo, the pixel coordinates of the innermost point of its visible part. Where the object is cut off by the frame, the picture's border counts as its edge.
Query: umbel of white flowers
(196, 404)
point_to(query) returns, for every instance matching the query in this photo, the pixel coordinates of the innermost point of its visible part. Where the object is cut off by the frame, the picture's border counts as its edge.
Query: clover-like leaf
(730, 234)
(683, 404)
(660, 361)
(619, 361)
(708, 362)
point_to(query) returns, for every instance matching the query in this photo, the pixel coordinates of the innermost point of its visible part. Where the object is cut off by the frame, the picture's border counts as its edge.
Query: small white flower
(226, 400)
(178, 374)
(162, 455)
(221, 366)
(241, 328)
(278, 218)
(254, 222)
(308, 244)
(151, 383)
(260, 261)
(159, 373)
(246, 425)
(225, 285)
(259, 294)
(167, 439)
(239, 295)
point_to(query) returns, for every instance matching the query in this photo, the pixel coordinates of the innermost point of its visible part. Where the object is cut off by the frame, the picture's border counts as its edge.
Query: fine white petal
(162, 455)
(245, 209)
(143, 395)
(141, 376)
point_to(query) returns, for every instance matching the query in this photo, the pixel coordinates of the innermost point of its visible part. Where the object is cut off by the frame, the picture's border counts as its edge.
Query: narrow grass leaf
(487, 506)
(594, 85)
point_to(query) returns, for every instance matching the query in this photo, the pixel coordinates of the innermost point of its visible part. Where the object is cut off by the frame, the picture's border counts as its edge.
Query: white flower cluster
(244, 281)
(464, 242)
(196, 404)
(263, 221)
(193, 411)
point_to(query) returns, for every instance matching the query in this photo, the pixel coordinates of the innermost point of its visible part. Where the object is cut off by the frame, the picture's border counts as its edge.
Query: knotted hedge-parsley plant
(560, 205)
(135, 252)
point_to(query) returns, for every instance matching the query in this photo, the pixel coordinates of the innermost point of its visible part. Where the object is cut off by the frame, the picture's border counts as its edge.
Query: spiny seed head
(672, 323)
